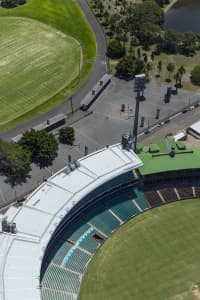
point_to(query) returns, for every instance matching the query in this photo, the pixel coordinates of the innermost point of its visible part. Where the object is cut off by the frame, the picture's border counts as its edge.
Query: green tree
(146, 12)
(170, 69)
(170, 41)
(188, 43)
(145, 57)
(149, 33)
(14, 162)
(115, 49)
(42, 145)
(177, 79)
(159, 67)
(12, 3)
(138, 52)
(181, 71)
(129, 66)
(67, 135)
(195, 75)
(152, 56)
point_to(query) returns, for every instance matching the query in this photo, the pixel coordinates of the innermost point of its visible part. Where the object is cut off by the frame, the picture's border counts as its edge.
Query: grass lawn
(39, 60)
(155, 256)
(179, 60)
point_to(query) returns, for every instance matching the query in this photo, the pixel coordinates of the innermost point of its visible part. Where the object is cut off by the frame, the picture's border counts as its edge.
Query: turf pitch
(63, 18)
(155, 256)
(36, 61)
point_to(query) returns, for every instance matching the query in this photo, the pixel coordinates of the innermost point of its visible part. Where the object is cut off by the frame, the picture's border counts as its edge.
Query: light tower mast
(139, 86)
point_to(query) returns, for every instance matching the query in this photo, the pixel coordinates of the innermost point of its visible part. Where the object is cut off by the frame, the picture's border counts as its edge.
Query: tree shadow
(45, 163)
(14, 180)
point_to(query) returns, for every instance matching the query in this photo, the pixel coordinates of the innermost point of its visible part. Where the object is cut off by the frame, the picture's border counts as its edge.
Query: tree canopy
(67, 135)
(115, 49)
(12, 3)
(146, 12)
(172, 42)
(42, 145)
(195, 75)
(14, 162)
(129, 66)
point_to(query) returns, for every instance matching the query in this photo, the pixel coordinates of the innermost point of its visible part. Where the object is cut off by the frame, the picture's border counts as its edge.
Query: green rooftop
(168, 155)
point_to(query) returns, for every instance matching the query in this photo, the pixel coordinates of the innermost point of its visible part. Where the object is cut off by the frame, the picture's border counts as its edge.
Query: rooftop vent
(72, 166)
(77, 163)
(127, 142)
(67, 170)
(9, 227)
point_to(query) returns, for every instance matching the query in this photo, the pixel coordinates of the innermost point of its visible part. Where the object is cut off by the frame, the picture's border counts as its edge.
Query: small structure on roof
(180, 136)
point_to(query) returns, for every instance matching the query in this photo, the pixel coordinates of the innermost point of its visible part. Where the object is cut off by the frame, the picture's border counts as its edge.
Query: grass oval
(36, 61)
(154, 256)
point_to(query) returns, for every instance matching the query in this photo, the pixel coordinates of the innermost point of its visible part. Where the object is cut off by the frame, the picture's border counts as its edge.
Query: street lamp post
(72, 108)
(139, 85)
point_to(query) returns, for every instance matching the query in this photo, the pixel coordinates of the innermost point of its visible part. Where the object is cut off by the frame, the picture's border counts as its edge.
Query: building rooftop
(196, 127)
(168, 155)
(36, 220)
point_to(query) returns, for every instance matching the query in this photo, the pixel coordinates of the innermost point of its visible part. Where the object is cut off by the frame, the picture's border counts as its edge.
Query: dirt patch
(196, 291)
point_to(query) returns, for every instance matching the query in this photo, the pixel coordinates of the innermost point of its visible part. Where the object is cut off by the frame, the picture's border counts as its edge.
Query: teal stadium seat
(90, 243)
(122, 205)
(74, 230)
(60, 279)
(48, 294)
(140, 199)
(78, 261)
(58, 253)
(102, 219)
(57, 278)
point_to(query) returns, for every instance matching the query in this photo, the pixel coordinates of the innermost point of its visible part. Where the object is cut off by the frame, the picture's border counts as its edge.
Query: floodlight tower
(139, 86)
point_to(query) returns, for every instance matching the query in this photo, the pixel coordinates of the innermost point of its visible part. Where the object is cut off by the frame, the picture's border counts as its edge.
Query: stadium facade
(48, 209)
(48, 241)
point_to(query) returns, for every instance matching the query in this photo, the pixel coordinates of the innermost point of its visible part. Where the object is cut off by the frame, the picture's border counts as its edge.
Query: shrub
(195, 75)
(67, 135)
(115, 49)
(12, 3)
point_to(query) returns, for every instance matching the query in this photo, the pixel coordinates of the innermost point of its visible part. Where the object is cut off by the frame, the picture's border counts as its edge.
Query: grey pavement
(104, 125)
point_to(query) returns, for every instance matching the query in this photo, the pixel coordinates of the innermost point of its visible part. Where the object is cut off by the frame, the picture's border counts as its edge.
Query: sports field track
(155, 256)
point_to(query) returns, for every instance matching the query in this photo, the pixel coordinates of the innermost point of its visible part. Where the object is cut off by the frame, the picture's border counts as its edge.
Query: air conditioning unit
(6, 226)
(67, 170)
(127, 142)
(77, 163)
(72, 166)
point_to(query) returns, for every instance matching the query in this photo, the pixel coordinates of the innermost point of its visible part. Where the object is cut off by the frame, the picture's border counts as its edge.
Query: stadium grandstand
(56, 227)
(47, 243)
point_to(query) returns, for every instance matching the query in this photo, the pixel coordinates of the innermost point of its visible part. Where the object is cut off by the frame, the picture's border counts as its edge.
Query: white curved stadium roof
(21, 254)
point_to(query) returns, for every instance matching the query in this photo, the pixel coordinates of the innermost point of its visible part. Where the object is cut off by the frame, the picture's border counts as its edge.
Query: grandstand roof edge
(40, 215)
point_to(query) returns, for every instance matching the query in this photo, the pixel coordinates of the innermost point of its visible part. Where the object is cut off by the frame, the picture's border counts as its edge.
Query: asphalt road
(97, 72)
